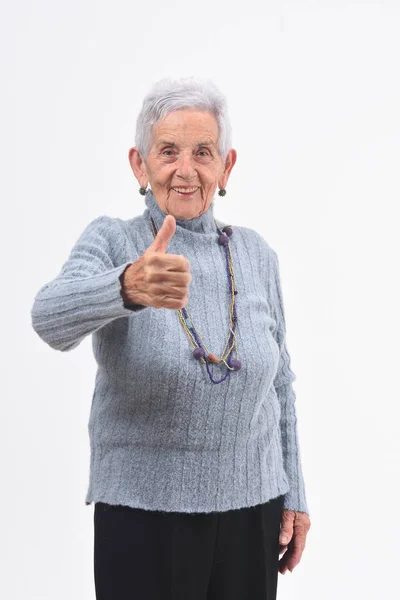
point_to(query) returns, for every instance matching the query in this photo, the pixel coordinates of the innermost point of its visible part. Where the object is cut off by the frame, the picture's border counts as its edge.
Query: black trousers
(155, 555)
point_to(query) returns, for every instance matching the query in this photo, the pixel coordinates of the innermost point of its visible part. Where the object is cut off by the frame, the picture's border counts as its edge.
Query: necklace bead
(199, 353)
(236, 364)
(213, 359)
(223, 239)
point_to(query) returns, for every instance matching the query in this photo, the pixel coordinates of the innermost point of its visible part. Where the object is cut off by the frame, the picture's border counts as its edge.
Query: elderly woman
(195, 467)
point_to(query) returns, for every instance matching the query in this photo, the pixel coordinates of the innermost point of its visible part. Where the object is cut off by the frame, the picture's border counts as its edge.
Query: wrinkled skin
(295, 525)
(184, 152)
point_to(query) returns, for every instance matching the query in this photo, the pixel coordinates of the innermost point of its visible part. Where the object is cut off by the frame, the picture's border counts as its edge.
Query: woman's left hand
(294, 526)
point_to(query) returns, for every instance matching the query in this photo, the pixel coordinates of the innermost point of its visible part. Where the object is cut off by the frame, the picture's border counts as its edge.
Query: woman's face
(184, 155)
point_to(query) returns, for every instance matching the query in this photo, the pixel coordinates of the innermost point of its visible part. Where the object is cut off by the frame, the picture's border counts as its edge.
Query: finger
(162, 292)
(282, 548)
(167, 262)
(175, 278)
(168, 302)
(164, 235)
(292, 556)
(285, 537)
(297, 531)
(286, 532)
(284, 563)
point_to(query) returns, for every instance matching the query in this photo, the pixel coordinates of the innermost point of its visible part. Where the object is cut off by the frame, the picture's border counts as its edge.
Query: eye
(163, 152)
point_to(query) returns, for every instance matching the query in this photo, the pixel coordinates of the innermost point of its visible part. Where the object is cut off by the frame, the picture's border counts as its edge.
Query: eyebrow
(167, 143)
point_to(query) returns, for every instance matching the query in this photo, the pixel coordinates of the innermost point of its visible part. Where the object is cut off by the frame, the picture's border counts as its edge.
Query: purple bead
(223, 239)
(235, 363)
(228, 230)
(198, 353)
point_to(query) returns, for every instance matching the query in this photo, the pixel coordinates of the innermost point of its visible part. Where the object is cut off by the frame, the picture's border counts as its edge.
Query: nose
(185, 167)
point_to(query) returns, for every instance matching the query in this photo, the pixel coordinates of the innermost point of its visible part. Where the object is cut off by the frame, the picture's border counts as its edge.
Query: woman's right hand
(158, 279)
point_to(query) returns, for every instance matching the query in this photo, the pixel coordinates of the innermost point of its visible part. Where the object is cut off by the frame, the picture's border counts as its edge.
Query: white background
(313, 92)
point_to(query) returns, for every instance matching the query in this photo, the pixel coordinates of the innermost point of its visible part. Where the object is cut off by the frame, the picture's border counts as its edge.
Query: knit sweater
(162, 435)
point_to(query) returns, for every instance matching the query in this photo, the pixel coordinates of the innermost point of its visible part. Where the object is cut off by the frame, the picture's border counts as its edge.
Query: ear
(229, 163)
(138, 166)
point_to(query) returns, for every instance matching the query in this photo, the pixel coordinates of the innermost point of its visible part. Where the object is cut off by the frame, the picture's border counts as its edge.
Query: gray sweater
(162, 435)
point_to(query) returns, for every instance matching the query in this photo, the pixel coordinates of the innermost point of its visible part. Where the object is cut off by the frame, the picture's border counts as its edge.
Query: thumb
(164, 235)
(286, 532)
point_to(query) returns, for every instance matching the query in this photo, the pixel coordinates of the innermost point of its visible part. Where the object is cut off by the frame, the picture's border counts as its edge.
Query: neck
(202, 224)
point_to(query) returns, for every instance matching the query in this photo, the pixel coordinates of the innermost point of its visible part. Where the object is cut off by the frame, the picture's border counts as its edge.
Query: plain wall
(313, 93)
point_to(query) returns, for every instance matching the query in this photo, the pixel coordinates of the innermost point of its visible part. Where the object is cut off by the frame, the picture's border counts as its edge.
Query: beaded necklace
(201, 352)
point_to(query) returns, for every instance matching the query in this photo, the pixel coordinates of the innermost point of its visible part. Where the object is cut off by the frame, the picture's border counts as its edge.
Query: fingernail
(284, 539)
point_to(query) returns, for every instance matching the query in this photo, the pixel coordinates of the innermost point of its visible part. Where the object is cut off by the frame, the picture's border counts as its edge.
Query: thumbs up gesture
(158, 279)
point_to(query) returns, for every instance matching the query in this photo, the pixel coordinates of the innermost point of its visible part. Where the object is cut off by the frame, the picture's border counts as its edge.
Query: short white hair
(188, 92)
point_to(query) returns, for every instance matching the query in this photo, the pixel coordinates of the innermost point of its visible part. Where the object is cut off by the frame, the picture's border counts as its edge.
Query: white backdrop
(313, 92)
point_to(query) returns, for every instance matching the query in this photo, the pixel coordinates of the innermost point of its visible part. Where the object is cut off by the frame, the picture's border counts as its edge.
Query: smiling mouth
(185, 191)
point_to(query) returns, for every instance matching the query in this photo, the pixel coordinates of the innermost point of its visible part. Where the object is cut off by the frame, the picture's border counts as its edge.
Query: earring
(142, 190)
(222, 192)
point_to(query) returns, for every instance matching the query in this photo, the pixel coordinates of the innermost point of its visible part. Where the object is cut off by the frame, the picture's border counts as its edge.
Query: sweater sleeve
(86, 295)
(295, 498)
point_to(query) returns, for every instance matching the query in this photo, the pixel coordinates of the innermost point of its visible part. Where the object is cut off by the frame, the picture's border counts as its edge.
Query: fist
(158, 279)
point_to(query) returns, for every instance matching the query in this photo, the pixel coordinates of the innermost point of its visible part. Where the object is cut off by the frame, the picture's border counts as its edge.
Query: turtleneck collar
(202, 224)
